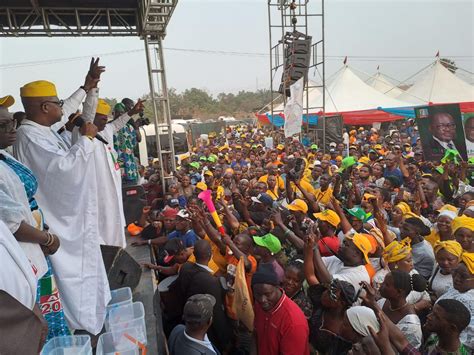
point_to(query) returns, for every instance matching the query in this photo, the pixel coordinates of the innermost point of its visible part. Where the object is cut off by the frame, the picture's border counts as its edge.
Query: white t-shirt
(440, 283)
(352, 274)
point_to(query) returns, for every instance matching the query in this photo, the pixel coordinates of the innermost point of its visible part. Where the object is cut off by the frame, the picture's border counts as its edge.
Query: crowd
(360, 248)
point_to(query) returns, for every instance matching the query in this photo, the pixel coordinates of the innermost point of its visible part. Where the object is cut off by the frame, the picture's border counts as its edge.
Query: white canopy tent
(347, 92)
(383, 84)
(438, 85)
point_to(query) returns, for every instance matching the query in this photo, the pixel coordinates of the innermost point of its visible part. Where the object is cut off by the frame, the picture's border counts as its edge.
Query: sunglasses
(60, 103)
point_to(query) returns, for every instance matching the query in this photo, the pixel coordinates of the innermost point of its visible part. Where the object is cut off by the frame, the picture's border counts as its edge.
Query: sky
(381, 31)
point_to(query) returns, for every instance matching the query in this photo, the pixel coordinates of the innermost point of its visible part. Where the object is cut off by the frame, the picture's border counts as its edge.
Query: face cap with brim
(264, 198)
(298, 205)
(184, 215)
(280, 147)
(346, 163)
(195, 165)
(268, 241)
(40, 88)
(7, 101)
(211, 159)
(201, 186)
(358, 213)
(363, 244)
(314, 146)
(208, 173)
(199, 308)
(329, 216)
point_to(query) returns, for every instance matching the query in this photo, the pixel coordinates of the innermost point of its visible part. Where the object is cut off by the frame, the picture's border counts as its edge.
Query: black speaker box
(122, 270)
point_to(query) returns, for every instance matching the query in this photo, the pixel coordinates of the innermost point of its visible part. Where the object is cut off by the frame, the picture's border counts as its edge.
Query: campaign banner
(468, 119)
(441, 128)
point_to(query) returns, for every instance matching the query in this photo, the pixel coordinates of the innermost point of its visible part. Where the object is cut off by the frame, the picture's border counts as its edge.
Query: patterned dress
(48, 297)
(125, 142)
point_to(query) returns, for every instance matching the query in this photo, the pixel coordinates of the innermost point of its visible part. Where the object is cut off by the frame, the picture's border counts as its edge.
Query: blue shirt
(394, 172)
(188, 238)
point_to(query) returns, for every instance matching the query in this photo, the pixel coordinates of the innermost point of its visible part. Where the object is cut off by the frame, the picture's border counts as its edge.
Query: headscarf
(360, 318)
(462, 222)
(448, 211)
(451, 246)
(468, 260)
(397, 251)
(406, 210)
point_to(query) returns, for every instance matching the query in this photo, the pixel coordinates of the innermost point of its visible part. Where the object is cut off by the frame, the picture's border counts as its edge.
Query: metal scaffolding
(307, 18)
(92, 18)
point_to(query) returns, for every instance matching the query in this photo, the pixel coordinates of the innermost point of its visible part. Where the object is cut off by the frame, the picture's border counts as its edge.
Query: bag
(242, 304)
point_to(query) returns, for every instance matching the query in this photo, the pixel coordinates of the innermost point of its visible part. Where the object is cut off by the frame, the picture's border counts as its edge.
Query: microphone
(79, 122)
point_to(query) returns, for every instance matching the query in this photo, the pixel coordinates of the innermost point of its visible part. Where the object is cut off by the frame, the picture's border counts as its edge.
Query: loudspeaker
(334, 125)
(133, 197)
(122, 270)
(297, 58)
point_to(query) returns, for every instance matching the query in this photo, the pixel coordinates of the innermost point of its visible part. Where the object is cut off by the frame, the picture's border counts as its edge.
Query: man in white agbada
(68, 195)
(111, 218)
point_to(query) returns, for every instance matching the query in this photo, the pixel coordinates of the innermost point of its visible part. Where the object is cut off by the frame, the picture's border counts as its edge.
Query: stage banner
(294, 109)
(441, 128)
(468, 119)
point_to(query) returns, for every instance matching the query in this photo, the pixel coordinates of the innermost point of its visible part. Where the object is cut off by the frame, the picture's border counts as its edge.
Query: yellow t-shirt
(305, 185)
(323, 197)
(433, 237)
(280, 183)
(218, 261)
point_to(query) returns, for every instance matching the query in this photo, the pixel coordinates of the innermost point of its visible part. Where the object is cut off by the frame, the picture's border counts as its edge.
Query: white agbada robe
(15, 209)
(17, 277)
(108, 176)
(68, 197)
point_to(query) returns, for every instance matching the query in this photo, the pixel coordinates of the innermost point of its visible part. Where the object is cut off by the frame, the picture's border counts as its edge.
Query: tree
(449, 64)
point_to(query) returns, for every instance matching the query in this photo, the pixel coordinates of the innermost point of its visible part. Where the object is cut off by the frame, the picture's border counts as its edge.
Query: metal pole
(271, 61)
(324, 79)
(166, 103)
(155, 110)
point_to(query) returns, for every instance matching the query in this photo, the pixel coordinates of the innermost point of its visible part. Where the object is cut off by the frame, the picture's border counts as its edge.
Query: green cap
(314, 146)
(195, 164)
(347, 162)
(202, 157)
(119, 107)
(212, 159)
(471, 160)
(358, 213)
(268, 241)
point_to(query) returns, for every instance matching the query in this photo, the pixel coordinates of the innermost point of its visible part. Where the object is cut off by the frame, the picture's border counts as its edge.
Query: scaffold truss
(298, 18)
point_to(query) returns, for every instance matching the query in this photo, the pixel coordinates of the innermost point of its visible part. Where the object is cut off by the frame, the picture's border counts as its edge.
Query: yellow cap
(363, 244)
(298, 205)
(364, 160)
(103, 108)
(7, 101)
(208, 173)
(329, 216)
(280, 147)
(201, 185)
(40, 88)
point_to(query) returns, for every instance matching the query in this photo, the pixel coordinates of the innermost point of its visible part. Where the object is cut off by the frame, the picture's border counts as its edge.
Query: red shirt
(282, 331)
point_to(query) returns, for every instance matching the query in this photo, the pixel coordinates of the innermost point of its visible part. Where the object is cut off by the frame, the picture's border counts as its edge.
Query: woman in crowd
(463, 229)
(442, 230)
(293, 286)
(448, 254)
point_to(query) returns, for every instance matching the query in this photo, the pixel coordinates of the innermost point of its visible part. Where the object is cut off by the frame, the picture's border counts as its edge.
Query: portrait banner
(468, 119)
(441, 129)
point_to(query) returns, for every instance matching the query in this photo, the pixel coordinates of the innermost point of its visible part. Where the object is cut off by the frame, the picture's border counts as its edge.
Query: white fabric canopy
(438, 85)
(381, 83)
(347, 92)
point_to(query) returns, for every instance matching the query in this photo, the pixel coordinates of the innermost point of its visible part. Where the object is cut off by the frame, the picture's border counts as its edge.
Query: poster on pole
(441, 128)
(294, 109)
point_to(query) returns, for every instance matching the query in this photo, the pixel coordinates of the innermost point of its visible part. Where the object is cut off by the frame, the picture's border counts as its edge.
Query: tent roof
(438, 85)
(381, 83)
(347, 92)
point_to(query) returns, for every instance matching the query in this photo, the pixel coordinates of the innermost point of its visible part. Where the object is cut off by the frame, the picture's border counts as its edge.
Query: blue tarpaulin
(279, 121)
(408, 112)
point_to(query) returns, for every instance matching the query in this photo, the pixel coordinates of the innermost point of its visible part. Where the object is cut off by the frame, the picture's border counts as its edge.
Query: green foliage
(198, 103)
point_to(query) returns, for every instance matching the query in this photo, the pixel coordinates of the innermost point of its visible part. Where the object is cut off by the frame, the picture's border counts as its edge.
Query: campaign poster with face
(441, 128)
(468, 119)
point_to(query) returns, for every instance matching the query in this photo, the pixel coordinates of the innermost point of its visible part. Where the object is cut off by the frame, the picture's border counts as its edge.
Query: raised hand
(139, 107)
(93, 75)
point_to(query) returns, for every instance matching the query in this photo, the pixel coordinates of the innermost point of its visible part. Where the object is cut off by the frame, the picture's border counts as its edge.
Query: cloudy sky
(400, 36)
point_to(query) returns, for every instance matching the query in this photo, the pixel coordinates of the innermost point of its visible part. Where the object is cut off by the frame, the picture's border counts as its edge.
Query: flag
(294, 109)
